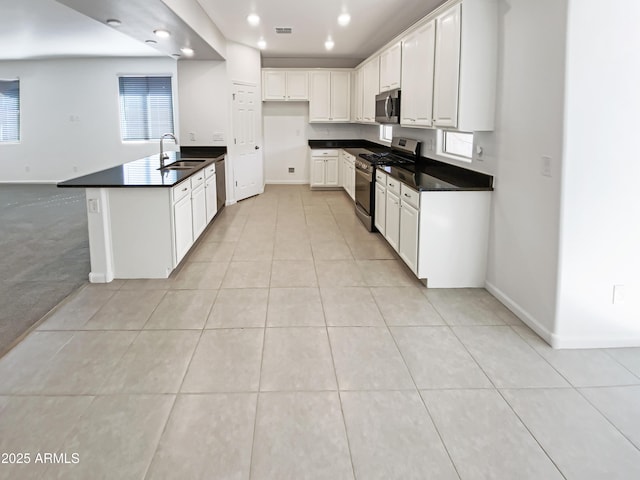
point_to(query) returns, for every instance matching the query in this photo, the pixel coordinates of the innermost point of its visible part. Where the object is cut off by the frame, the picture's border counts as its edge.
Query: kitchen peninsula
(143, 219)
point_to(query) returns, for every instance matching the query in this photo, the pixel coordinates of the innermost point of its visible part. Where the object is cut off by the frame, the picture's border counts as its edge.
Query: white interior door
(247, 169)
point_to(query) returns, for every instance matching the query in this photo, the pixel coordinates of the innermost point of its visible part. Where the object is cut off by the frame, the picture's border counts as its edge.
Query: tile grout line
(335, 374)
(264, 339)
(417, 390)
(504, 399)
(176, 395)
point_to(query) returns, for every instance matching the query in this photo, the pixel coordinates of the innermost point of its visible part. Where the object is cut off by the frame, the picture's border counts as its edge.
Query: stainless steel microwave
(388, 107)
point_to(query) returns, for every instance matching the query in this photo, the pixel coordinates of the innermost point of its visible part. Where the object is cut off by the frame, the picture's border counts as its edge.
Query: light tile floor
(295, 345)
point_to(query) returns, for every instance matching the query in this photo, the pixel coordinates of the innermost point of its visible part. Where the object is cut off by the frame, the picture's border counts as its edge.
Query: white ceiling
(48, 28)
(45, 28)
(373, 23)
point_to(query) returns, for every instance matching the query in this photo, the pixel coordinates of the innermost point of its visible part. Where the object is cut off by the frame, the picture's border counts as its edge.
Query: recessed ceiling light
(253, 19)
(344, 19)
(151, 42)
(162, 33)
(187, 51)
(114, 22)
(262, 44)
(329, 44)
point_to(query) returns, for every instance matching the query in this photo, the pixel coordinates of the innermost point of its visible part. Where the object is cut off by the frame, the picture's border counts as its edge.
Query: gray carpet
(44, 253)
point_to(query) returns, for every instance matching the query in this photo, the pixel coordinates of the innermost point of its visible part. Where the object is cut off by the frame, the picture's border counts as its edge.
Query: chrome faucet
(165, 156)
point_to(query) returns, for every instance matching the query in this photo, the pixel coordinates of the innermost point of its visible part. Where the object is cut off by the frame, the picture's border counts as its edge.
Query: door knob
(257, 147)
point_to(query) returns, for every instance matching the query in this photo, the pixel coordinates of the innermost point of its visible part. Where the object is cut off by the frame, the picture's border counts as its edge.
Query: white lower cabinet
(210, 193)
(198, 204)
(392, 220)
(348, 170)
(408, 245)
(182, 227)
(324, 168)
(380, 208)
(442, 236)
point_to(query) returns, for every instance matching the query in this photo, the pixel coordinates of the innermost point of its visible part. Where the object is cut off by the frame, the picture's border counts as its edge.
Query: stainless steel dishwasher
(221, 184)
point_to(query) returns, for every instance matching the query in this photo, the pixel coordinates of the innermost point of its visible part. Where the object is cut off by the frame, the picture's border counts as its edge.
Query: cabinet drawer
(197, 179)
(393, 185)
(381, 178)
(410, 196)
(324, 153)
(181, 190)
(210, 170)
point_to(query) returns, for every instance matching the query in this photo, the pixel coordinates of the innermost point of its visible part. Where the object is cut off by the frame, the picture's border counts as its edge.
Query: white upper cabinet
(418, 51)
(329, 96)
(447, 68)
(466, 59)
(297, 85)
(370, 88)
(285, 85)
(390, 67)
(356, 101)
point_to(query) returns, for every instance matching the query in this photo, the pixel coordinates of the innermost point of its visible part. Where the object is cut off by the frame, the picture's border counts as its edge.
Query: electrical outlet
(93, 205)
(618, 294)
(545, 168)
(292, 170)
(192, 136)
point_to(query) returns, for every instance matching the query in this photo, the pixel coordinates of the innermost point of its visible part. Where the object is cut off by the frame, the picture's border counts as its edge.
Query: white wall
(70, 122)
(203, 90)
(286, 139)
(523, 252)
(600, 218)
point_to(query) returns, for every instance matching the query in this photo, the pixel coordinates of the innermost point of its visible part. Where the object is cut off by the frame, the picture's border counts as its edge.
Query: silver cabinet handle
(184, 189)
(407, 195)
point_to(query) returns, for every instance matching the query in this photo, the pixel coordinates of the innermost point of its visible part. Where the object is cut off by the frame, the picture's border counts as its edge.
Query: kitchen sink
(183, 165)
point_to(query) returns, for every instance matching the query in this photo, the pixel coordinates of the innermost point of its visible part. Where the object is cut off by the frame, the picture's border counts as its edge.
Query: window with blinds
(146, 107)
(9, 110)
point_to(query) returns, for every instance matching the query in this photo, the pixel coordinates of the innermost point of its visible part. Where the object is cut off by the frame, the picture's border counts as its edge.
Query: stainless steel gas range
(403, 151)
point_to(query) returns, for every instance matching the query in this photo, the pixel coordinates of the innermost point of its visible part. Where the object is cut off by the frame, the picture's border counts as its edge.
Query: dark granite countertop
(427, 174)
(145, 171)
(431, 175)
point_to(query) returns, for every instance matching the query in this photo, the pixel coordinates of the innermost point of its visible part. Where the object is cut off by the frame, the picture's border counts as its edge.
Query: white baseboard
(563, 341)
(522, 314)
(100, 277)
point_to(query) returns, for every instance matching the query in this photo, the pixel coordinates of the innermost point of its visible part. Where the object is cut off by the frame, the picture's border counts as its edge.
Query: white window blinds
(9, 110)
(146, 107)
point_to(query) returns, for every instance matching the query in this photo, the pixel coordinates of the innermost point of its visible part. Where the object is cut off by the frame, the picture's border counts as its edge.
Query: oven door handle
(368, 176)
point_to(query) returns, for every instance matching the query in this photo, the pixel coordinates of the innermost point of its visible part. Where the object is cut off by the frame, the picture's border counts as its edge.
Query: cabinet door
(409, 235)
(392, 222)
(319, 96)
(352, 181)
(274, 85)
(297, 85)
(357, 95)
(418, 52)
(198, 211)
(371, 88)
(210, 195)
(380, 209)
(447, 68)
(390, 67)
(340, 96)
(331, 172)
(317, 172)
(183, 227)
